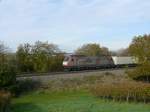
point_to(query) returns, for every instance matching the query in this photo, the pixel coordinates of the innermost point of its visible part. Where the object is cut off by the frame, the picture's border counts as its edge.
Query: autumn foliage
(123, 91)
(140, 48)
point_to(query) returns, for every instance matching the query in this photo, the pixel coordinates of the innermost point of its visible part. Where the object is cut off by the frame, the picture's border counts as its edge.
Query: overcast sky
(71, 23)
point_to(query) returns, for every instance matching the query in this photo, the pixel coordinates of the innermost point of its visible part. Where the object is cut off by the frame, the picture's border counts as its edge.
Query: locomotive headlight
(65, 63)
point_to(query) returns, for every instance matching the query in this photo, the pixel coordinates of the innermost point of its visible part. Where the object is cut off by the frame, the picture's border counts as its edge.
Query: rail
(68, 72)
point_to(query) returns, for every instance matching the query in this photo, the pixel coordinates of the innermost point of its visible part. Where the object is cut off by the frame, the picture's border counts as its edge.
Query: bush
(55, 63)
(5, 98)
(141, 73)
(123, 91)
(7, 77)
(24, 86)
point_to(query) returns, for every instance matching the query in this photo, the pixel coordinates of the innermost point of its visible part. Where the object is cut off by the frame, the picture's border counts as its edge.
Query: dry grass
(80, 83)
(123, 91)
(5, 98)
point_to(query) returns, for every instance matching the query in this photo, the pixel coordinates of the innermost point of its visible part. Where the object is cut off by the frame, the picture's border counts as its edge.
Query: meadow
(74, 95)
(73, 101)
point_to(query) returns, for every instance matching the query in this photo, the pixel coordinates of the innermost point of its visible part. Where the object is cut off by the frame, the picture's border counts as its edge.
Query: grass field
(73, 101)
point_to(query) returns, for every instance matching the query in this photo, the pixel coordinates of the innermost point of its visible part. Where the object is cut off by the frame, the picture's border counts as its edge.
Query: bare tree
(123, 52)
(3, 53)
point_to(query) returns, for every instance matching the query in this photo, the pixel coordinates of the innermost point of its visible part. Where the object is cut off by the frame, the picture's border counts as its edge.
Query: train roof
(78, 55)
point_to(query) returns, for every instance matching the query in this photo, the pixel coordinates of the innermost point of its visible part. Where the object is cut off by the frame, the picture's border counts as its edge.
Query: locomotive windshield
(66, 59)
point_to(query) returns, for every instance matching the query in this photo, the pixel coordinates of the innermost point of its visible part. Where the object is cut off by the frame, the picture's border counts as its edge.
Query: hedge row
(141, 73)
(5, 98)
(123, 91)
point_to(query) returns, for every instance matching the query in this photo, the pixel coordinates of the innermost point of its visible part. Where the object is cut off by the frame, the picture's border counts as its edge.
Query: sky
(72, 23)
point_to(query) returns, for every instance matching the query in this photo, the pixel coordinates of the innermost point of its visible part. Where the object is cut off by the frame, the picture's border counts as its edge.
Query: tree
(55, 62)
(140, 48)
(7, 70)
(38, 57)
(45, 47)
(90, 50)
(42, 55)
(3, 54)
(24, 58)
(105, 51)
(113, 53)
(123, 52)
(120, 52)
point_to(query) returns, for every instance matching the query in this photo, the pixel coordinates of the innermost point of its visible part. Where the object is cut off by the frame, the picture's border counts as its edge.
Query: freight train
(81, 62)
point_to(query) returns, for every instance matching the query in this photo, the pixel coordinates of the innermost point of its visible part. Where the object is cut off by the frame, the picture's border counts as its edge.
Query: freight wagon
(124, 61)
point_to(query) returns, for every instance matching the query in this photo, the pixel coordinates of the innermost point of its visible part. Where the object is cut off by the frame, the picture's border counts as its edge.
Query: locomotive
(81, 62)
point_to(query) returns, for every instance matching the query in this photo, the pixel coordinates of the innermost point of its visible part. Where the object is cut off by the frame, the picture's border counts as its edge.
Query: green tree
(140, 48)
(3, 54)
(40, 57)
(105, 51)
(24, 58)
(43, 52)
(55, 62)
(7, 70)
(90, 50)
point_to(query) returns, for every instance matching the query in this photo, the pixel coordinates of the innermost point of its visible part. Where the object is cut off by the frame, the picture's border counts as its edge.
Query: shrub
(5, 98)
(123, 91)
(55, 63)
(141, 73)
(63, 84)
(24, 86)
(7, 77)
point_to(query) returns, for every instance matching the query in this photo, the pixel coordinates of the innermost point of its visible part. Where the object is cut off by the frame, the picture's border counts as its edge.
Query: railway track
(67, 72)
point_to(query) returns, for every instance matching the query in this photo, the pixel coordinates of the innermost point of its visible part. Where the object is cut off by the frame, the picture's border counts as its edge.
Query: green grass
(73, 101)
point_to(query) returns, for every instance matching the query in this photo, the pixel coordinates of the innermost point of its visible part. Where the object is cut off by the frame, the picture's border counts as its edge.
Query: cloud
(70, 23)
